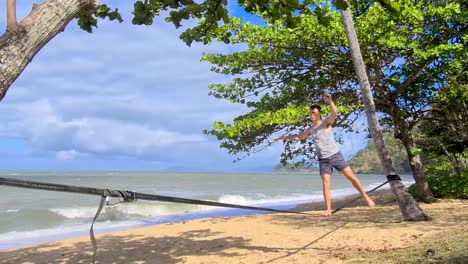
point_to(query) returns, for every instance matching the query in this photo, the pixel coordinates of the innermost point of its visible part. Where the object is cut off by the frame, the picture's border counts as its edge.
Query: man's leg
(326, 193)
(348, 173)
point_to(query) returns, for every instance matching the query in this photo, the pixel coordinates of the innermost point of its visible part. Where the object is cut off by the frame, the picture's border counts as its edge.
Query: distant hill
(367, 161)
(291, 168)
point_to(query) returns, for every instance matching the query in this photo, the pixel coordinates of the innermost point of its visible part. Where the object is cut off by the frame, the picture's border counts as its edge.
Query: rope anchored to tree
(130, 196)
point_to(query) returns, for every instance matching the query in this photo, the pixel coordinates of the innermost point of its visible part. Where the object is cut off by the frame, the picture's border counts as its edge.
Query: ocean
(35, 216)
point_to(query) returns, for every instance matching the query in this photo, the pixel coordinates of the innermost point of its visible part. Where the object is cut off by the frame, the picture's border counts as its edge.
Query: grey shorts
(336, 161)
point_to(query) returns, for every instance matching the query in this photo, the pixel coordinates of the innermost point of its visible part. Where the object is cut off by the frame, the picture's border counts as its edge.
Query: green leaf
(115, 15)
(341, 4)
(87, 22)
(395, 7)
(322, 16)
(293, 3)
(415, 151)
(102, 10)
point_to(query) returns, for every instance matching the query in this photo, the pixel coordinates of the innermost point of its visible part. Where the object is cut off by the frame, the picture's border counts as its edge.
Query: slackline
(130, 196)
(391, 177)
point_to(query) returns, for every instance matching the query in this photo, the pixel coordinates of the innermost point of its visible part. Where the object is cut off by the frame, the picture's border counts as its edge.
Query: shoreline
(261, 238)
(219, 212)
(102, 228)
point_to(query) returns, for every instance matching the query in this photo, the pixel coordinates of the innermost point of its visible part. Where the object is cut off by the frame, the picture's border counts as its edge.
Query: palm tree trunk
(408, 206)
(18, 47)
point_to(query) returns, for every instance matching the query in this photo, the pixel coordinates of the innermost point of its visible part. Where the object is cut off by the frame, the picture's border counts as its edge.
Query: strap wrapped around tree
(393, 177)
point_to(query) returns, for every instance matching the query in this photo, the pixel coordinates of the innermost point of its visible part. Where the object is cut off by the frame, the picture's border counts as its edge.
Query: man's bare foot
(327, 213)
(370, 203)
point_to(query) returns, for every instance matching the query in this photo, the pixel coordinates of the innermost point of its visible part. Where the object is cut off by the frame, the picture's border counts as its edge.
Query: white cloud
(45, 127)
(124, 92)
(67, 155)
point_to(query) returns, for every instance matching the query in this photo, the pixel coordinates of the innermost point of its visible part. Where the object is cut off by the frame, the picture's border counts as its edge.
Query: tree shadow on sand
(307, 246)
(135, 249)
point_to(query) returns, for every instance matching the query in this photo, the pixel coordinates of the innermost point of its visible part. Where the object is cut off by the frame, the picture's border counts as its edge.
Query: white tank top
(324, 140)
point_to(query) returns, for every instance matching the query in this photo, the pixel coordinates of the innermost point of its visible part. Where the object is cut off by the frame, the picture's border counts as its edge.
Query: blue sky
(123, 98)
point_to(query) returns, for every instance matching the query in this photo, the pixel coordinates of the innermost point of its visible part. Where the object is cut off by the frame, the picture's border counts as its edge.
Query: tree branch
(407, 83)
(44, 22)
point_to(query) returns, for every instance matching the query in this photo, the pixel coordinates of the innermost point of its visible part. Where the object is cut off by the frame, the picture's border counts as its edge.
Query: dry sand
(266, 238)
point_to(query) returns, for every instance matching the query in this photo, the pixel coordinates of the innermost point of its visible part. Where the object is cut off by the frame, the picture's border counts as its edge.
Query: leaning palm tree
(408, 206)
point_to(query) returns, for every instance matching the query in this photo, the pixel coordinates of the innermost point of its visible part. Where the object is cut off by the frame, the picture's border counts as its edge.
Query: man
(328, 152)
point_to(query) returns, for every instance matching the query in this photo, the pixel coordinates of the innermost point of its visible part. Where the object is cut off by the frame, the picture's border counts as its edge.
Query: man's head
(314, 112)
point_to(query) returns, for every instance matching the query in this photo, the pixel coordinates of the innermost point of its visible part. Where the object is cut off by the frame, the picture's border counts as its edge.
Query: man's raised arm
(334, 112)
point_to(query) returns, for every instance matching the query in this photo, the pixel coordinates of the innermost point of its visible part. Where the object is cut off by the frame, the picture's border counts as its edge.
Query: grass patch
(449, 248)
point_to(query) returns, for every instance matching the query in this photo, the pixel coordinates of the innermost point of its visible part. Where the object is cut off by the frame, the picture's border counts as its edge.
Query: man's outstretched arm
(300, 136)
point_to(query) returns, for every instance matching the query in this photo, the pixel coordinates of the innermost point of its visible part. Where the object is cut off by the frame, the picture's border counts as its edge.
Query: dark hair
(314, 106)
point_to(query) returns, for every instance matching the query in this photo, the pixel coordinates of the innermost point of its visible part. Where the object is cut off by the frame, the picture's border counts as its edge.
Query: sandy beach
(349, 236)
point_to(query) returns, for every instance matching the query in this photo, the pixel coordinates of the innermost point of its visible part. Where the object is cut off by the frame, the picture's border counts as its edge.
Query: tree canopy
(210, 14)
(409, 59)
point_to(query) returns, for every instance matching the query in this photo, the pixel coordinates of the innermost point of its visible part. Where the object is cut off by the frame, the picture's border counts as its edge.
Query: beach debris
(430, 252)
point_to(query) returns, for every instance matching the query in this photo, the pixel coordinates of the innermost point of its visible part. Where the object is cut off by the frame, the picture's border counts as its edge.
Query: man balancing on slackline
(328, 152)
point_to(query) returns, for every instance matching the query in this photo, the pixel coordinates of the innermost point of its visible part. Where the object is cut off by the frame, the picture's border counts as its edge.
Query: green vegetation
(277, 77)
(444, 135)
(367, 160)
(444, 183)
(409, 58)
(449, 185)
(294, 168)
(282, 71)
(449, 248)
(443, 139)
(210, 14)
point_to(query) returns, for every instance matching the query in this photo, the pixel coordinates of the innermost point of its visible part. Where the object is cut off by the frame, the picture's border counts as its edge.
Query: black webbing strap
(128, 195)
(357, 198)
(91, 230)
(393, 177)
(132, 196)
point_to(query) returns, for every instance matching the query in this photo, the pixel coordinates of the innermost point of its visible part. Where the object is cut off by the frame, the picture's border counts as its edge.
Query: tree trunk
(422, 188)
(408, 206)
(17, 48)
(463, 162)
(452, 158)
(402, 133)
